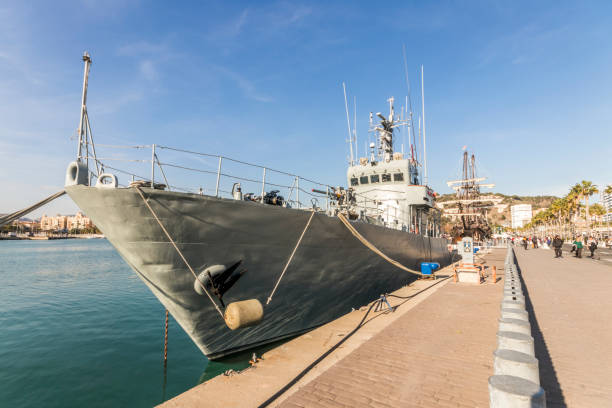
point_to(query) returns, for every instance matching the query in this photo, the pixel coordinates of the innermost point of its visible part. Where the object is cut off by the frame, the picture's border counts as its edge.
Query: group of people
(532, 242)
(557, 243)
(590, 243)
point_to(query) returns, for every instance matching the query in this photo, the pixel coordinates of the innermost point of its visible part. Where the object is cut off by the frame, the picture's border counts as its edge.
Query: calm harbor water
(78, 328)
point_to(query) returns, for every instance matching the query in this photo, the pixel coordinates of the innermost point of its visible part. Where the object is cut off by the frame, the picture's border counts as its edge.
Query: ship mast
(85, 134)
(424, 133)
(470, 205)
(348, 123)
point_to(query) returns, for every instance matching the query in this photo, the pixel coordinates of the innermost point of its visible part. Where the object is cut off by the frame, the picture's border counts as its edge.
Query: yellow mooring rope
(290, 258)
(180, 253)
(373, 248)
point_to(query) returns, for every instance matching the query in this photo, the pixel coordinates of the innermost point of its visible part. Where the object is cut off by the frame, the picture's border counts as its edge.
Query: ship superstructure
(387, 186)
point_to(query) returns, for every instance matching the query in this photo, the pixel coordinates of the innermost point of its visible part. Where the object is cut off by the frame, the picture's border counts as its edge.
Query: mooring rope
(179, 252)
(18, 214)
(290, 258)
(373, 248)
(306, 370)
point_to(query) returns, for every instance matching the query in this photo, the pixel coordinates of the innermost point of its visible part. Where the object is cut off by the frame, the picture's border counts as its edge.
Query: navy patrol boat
(240, 270)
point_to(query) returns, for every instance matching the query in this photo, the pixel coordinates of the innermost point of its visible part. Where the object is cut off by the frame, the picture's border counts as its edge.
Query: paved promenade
(435, 350)
(438, 355)
(570, 306)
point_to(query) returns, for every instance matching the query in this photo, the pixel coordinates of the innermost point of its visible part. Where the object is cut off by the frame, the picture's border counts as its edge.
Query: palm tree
(573, 197)
(587, 189)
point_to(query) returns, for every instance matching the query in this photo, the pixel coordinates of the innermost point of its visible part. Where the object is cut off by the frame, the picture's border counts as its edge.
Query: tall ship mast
(239, 269)
(472, 206)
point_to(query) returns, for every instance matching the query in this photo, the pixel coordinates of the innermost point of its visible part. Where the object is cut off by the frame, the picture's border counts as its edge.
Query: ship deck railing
(194, 172)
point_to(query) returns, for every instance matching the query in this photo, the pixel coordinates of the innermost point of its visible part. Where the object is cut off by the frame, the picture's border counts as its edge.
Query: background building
(520, 214)
(606, 201)
(65, 222)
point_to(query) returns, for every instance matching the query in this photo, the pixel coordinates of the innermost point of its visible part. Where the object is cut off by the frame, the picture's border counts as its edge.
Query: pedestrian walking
(578, 243)
(557, 243)
(535, 242)
(525, 243)
(592, 247)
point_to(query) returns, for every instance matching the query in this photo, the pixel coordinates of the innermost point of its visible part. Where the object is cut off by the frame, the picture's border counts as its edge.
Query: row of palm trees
(563, 213)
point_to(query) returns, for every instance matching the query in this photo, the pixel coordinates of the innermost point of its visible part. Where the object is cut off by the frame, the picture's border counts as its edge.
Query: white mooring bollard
(515, 341)
(507, 391)
(509, 297)
(515, 325)
(514, 314)
(511, 362)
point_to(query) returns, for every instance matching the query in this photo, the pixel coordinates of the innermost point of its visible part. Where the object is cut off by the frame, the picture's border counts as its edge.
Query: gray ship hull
(330, 273)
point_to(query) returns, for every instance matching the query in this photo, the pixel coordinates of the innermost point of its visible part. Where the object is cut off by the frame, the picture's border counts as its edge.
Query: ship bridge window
(354, 181)
(363, 180)
(386, 177)
(374, 178)
(398, 177)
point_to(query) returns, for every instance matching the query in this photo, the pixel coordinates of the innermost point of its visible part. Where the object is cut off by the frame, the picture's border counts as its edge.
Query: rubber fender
(243, 314)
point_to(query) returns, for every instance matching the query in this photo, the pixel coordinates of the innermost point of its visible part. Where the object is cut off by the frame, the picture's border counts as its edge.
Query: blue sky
(527, 86)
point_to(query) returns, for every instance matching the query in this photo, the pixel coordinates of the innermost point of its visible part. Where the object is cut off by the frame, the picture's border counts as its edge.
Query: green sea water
(79, 329)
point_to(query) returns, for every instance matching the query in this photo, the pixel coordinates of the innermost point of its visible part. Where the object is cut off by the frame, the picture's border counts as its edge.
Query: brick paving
(438, 355)
(570, 306)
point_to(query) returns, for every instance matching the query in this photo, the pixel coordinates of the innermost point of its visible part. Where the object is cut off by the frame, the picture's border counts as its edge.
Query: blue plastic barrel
(427, 268)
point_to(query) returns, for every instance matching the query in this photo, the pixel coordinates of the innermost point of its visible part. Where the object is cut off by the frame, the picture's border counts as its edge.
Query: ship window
(354, 181)
(374, 178)
(363, 180)
(386, 177)
(398, 177)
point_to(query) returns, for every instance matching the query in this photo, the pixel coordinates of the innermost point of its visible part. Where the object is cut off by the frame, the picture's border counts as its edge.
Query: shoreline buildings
(606, 201)
(521, 214)
(65, 222)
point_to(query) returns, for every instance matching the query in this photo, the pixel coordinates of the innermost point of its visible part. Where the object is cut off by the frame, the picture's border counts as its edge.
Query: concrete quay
(569, 302)
(435, 350)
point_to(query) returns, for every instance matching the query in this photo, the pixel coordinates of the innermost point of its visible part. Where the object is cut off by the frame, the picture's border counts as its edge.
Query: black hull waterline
(330, 273)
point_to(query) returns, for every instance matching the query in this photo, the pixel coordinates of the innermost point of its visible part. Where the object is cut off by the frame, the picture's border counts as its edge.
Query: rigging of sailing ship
(472, 206)
(240, 270)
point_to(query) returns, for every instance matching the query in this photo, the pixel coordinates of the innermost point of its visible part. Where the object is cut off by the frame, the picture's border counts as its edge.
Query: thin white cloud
(140, 48)
(248, 87)
(148, 70)
(261, 22)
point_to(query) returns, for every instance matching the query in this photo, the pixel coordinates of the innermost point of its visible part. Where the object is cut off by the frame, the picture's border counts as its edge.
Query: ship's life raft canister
(243, 314)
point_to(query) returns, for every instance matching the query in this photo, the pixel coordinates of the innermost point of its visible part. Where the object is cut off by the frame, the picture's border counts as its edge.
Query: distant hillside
(535, 201)
(500, 214)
